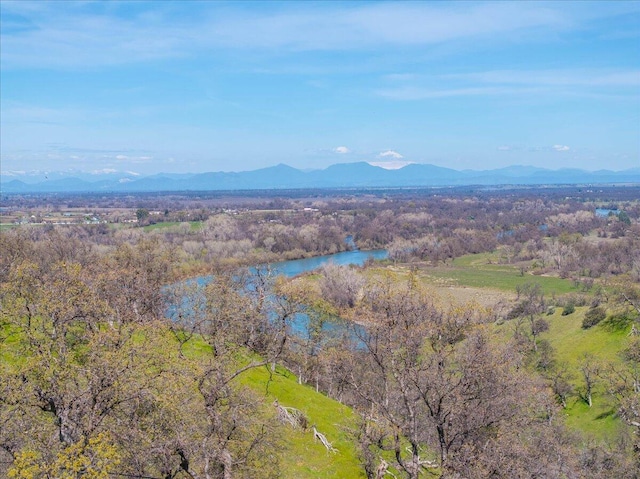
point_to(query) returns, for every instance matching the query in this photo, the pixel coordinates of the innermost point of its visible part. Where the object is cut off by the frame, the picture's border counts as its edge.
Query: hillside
(476, 279)
(298, 454)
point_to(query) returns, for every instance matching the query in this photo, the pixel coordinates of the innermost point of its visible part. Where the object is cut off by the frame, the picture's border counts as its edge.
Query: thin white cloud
(561, 148)
(343, 150)
(95, 34)
(135, 159)
(408, 93)
(566, 82)
(390, 154)
(560, 77)
(504, 148)
(365, 26)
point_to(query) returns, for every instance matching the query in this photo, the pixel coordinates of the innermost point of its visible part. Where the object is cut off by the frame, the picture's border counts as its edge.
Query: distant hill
(343, 175)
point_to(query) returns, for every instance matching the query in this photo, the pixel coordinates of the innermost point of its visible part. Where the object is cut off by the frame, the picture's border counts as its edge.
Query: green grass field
(195, 225)
(302, 457)
(571, 345)
(481, 271)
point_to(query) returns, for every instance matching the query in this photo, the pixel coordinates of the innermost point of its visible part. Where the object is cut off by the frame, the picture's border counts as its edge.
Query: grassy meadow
(478, 274)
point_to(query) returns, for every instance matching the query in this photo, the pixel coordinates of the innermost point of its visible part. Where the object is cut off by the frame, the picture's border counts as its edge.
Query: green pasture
(572, 346)
(481, 271)
(301, 456)
(195, 225)
(571, 342)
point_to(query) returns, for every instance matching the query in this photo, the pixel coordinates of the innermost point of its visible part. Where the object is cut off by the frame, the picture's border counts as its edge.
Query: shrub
(573, 299)
(620, 320)
(568, 309)
(517, 311)
(592, 317)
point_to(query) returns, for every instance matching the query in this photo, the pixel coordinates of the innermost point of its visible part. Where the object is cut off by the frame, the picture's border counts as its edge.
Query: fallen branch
(426, 463)
(321, 437)
(383, 470)
(292, 416)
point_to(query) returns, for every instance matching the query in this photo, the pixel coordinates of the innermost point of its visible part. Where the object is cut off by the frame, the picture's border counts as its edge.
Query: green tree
(142, 214)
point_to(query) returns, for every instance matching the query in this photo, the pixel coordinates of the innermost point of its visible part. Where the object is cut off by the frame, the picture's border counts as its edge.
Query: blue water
(295, 267)
(334, 328)
(299, 266)
(299, 326)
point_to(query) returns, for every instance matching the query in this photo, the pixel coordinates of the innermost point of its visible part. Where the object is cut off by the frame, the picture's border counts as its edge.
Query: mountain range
(343, 175)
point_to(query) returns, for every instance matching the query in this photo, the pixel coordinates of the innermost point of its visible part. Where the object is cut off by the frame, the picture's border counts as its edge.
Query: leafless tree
(340, 285)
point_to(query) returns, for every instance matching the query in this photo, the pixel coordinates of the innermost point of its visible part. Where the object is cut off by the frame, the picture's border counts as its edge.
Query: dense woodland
(113, 363)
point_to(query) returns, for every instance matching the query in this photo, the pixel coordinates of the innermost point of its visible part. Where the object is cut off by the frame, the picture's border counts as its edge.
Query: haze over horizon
(212, 86)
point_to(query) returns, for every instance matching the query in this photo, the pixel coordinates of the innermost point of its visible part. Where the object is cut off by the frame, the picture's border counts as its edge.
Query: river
(298, 266)
(336, 327)
(299, 325)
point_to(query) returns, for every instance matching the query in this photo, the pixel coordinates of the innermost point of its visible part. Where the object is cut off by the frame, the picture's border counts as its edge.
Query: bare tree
(340, 285)
(429, 381)
(530, 306)
(590, 369)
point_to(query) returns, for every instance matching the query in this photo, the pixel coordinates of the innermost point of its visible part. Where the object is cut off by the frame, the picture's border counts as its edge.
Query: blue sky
(213, 86)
